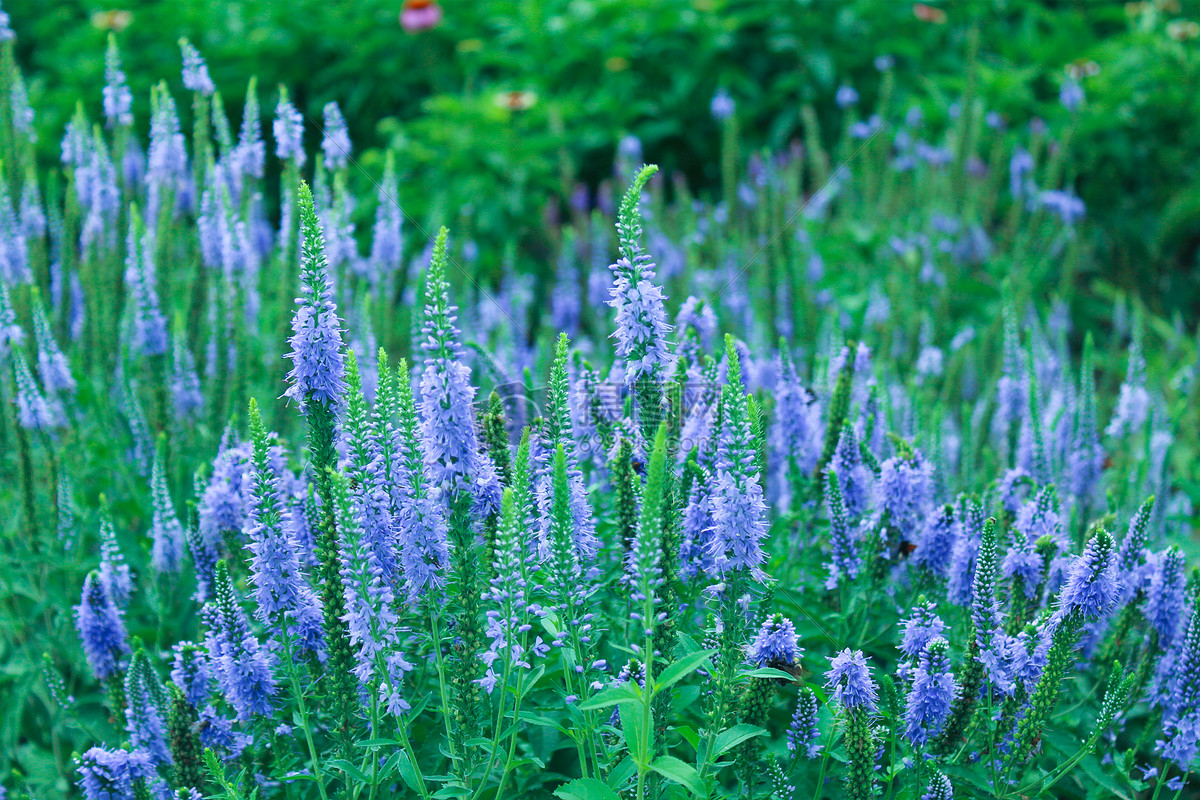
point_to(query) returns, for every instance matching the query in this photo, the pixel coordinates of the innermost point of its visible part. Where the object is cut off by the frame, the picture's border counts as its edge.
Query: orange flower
(929, 14)
(515, 100)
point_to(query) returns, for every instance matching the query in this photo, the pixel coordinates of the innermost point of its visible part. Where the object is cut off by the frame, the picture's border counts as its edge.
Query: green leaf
(586, 789)
(689, 735)
(374, 743)
(632, 725)
(348, 768)
(728, 739)
(538, 719)
(681, 772)
(681, 669)
(389, 767)
(609, 698)
(768, 672)
(409, 775)
(622, 773)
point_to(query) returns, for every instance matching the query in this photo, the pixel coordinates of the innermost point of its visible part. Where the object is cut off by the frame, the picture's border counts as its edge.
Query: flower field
(835, 478)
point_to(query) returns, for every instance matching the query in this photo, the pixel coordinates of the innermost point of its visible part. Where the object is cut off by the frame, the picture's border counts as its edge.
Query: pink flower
(420, 15)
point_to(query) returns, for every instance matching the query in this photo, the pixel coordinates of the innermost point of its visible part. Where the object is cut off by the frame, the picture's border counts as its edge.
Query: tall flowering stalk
(420, 520)
(146, 709)
(370, 613)
(644, 567)
(984, 622)
(242, 667)
(558, 430)
(739, 511)
(642, 326)
(454, 461)
(286, 603)
(1091, 592)
(166, 532)
(372, 500)
(318, 385)
(856, 693)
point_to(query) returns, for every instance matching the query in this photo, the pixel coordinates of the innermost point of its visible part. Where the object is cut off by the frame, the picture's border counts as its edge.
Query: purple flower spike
(850, 678)
(101, 628)
(1093, 586)
(933, 692)
(318, 373)
(776, 644)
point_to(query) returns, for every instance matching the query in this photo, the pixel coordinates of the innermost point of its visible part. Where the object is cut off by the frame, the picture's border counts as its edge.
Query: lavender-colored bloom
(118, 100)
(1071, 94)
(242, 667)
(101, 629)
(187, 399)
(868, 128)
(939, 788)
(10, 330)
(6, 32)
(884, 62)
(149, 325)
(1093, 585)
(641, 322)
(195, 71)
(850, 678)
(1181, 711)
(111, 774)
(921, 628)
(217, 733)
(223, 504)
(250, 155)
(739, 511)
(935, 547)
(1020, 172)
(796, 429)
(722, 106)
(776, 644)
(1165, 602)
(289, 132)
(144, 702)
(1133, 401)
(1024, 564)
(421, 534)
(166, 533)
(803, 734)
(14, 248)
(318, 365)
(846, 96)
(370, 618)
(845, 561)
(166, 162)
(906, 490)
(22, 112)
(35, 412)
(192, 673)
(694, 550)
(856, 481)
(1069, 208)
(966, 548)
(53, 368)
(387, 241)
(336, 140)
(284, 598)
(454, 460)
(933, 692)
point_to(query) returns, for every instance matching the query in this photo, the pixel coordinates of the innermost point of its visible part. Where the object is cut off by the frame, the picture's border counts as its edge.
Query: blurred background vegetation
(519, 102)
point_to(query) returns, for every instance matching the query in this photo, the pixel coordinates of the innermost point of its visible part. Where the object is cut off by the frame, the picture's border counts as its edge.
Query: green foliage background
(600, 68)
